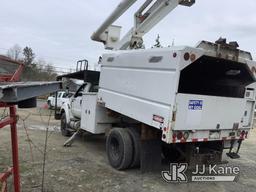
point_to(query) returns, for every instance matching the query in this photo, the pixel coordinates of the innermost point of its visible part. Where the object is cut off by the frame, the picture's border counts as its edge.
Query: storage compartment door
(88, 112)
(94, 117)
(248, 114)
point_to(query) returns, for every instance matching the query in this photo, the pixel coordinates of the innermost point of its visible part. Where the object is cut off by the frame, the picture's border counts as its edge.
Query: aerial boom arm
(118, 12)
(148, 15)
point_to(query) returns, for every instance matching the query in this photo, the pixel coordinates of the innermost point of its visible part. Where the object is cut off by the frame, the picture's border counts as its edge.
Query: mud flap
(150, 159)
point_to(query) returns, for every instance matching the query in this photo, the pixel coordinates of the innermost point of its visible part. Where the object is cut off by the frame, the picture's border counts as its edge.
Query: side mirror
(79, 94)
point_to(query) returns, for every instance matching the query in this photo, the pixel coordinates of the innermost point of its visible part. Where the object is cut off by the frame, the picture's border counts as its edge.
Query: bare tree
(49, 68)
(29, 55)
(15, 52)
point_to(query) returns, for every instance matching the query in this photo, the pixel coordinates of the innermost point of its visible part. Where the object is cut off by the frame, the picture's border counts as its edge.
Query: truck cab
(62, 97)
(71, 112)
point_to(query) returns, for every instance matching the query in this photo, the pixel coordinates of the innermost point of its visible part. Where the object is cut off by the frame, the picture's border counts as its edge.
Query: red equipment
(10, 71)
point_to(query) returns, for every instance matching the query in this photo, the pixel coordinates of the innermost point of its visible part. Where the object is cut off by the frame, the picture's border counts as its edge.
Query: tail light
(181, 135)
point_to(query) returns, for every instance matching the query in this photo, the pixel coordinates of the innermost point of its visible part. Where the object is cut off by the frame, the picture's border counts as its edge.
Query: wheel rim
(63, 124)
(114, 149)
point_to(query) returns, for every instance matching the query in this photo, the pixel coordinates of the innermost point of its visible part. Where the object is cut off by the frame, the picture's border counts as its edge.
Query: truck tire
(119, 148)
(64, 126)
(135, 135)
(49, 104)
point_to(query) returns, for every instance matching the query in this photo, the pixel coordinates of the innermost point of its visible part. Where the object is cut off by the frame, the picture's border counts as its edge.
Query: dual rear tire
(123, 148)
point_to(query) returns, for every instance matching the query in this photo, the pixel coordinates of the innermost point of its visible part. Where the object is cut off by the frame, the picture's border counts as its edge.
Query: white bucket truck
(186, 103)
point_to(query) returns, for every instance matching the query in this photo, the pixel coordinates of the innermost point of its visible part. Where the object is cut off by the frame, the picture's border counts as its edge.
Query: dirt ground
(84, 166)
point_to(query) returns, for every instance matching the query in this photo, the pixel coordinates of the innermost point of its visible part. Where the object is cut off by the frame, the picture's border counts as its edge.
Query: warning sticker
(195, 105)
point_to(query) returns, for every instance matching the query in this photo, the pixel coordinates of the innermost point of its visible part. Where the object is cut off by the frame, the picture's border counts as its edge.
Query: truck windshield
(59, 94)
(80, 90)
(215, 77)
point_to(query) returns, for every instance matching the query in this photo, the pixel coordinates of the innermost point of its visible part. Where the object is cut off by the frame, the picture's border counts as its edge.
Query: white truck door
(53, 100)
(76, 101)
(59, 97)
(76, 105)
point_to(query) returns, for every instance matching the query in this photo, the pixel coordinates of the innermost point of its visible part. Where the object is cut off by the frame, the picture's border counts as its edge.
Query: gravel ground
(84, 166)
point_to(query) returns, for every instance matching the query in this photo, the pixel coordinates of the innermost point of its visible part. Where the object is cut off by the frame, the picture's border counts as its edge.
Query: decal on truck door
(195, 105)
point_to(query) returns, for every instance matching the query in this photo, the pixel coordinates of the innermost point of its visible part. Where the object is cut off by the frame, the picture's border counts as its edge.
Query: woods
(35, 69)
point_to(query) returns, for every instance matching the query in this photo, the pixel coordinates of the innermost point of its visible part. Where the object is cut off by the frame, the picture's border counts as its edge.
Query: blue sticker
(195, 105)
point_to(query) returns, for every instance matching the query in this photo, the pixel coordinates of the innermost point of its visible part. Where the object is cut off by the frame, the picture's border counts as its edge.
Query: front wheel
(64, 125)
(49, 104)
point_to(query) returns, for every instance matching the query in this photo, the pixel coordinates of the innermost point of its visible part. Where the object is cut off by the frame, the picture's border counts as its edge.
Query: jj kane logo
(176, 173)
(203, 173)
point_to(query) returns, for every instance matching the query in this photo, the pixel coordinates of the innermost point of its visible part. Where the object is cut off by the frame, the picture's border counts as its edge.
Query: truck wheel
(49, 104)
(135, 135)
(119, 148)
(64, 125)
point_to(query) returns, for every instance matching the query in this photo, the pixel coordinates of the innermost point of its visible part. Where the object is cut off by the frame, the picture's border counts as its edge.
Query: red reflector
(246, 134)
(242, 135)
(179, 135)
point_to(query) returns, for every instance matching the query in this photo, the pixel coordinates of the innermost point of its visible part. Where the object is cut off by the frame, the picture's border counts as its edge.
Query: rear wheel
(135, 135)
(64, 125)
(119, 148)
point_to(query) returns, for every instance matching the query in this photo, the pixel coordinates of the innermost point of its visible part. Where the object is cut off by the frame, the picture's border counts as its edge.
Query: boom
(147, 16)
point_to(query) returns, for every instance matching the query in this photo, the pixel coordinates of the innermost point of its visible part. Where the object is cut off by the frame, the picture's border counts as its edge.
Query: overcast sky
(59, 30)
